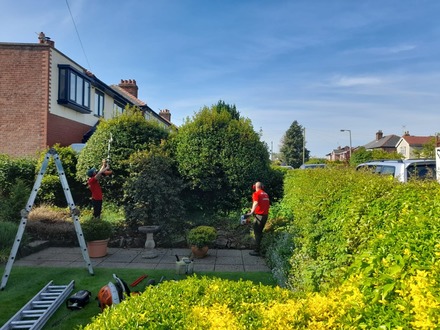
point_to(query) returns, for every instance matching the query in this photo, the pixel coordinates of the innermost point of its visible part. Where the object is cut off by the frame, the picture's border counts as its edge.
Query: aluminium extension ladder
(52, 153)
(40, 308)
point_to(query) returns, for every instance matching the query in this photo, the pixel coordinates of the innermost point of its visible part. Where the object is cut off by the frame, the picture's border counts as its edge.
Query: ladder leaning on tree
(25, 212)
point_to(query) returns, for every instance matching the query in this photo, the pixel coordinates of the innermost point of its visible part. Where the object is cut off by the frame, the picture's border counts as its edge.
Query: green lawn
(25, 282)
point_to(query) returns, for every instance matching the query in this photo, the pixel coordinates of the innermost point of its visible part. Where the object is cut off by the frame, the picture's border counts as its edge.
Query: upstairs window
(117, 109)
(74, 89)
(99, 103)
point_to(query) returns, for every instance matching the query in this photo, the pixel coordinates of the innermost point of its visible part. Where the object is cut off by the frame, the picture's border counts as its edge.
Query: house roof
(417, 141)
(388, 141)
(141, 104)
(340, 151)
(129, 96)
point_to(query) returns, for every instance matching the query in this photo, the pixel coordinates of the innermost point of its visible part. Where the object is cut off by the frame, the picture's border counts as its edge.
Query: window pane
(387, 170)
(79, 90)
(86, 94)
(62, 84)
(72, 94)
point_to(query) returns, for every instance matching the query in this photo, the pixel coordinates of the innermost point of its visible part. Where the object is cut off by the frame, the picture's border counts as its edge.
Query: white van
(402, 170)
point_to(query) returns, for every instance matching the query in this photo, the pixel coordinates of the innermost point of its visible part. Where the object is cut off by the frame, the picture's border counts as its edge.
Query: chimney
(166, 114)
(129, 86)
(42, 39)
(379, 135)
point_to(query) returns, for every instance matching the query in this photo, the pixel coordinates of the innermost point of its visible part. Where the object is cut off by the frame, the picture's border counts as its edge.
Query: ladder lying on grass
(40, 308)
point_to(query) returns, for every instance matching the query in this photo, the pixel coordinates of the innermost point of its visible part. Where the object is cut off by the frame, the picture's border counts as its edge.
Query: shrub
(202, 303)
(202, 236)
(218, 151)
(130, 133)
(13, 169)
(96, 229)
(51, 190)
(381, 234)
(152, 194)
(51, 224)
(12, 204)
(8, 230)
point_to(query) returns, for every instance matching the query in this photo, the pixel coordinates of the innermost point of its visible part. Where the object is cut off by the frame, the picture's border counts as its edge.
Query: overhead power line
(79, 38)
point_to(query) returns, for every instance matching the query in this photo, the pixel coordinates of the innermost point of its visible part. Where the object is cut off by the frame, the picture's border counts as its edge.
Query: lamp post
(349, 132)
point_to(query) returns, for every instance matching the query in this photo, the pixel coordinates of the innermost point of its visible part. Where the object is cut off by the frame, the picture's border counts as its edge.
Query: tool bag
(78, 300)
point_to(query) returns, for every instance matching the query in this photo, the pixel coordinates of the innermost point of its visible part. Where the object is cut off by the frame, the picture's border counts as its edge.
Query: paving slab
(221, 260)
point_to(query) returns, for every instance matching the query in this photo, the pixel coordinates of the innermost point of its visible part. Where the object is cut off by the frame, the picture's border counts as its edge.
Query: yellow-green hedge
(202, 303)
(365, 254)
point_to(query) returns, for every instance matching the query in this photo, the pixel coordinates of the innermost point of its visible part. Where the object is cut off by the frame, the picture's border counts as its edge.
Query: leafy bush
(219, 157)
(13, 169)
(202, 303)
(8, 230)
(373, 230)
(152, 193)
(52, 224)
(202, 236)
(96, 229)
(16, 179)
(365, 256)
(12, 204)
(130, 132)
(51, 190)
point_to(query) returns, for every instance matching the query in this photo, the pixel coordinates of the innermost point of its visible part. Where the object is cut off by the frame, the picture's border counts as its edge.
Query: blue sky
(328, 64)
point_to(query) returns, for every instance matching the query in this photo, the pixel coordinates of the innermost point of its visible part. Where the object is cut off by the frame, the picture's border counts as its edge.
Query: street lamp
(349, 132)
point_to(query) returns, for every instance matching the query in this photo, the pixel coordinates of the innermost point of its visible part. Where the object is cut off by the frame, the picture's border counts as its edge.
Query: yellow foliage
(421, 294)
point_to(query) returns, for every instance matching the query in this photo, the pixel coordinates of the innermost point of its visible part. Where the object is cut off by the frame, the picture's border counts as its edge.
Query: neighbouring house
(47, 98)
(408, 145)
(386, 143)
(340, 154)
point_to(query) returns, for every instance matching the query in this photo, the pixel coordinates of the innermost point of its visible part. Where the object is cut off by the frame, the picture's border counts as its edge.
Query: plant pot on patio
(98, 249)
(199, 252)
(200, 238)
(97, 234)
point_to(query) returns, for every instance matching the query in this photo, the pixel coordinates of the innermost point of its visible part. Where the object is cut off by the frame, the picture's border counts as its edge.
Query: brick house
(386, 143)
(340, 154)
(47, 98)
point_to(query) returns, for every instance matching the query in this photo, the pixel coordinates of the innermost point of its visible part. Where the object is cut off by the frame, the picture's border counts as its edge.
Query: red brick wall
(24, 98)
(65, 131)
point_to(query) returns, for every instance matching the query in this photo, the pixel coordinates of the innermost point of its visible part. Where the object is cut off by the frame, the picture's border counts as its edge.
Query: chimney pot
(129, 86)
(166, 114)
(379, 135)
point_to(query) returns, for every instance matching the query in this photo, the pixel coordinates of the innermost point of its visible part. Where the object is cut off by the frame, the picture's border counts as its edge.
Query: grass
(25, 282)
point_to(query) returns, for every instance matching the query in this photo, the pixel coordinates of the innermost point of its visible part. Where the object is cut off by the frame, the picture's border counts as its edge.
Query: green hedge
(203, 303)
(358, 251)
(16, 180)
(384, 234)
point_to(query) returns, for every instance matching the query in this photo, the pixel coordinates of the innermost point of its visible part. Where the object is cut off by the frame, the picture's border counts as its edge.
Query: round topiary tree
(219, 155)
(122, 135)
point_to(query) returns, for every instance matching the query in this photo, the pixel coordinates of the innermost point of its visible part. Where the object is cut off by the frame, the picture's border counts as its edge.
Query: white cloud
(347, 81)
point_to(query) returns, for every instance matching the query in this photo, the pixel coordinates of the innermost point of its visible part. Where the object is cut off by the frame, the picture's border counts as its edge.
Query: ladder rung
(50, 294)
(53, 287)
(41, 303)
(32, 314)
(22, 324)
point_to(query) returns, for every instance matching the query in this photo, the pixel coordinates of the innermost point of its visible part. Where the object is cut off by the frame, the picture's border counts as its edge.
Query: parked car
(310, 166)
(77, 147)
(402, 170)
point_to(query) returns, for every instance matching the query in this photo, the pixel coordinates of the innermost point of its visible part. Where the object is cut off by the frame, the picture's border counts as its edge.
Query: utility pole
(349, 132)
(304, 145)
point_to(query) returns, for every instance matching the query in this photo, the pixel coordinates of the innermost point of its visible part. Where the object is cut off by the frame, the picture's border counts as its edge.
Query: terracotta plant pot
(97, 249)
(199, 252)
